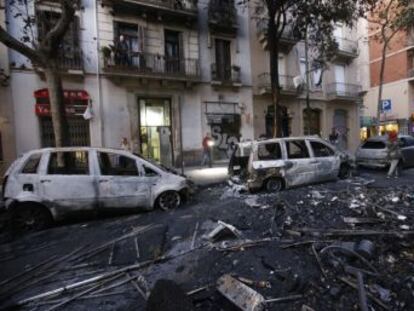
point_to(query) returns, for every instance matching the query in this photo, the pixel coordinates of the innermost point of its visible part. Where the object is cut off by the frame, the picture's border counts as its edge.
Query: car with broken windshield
(52, 184)
(373, 152)
(276, 164)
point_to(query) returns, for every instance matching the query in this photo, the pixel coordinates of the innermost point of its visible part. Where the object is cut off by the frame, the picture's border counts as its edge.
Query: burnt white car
(373, 152)
(50, 184)
(274, 164)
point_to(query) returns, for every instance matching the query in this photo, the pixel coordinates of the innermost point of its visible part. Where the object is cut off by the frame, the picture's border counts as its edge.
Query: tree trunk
(57, 107)
(381, 82)
(274, 75)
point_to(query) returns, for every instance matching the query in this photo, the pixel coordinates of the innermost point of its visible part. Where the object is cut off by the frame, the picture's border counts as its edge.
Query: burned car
(53, 183)
(373, 152)
(279, 163)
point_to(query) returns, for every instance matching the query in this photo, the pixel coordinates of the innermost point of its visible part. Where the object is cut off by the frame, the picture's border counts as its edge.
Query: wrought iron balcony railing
(71, 59)
(146, 64)
(225, 75)
(189, 6)
(347, 47)
(343, 90)
(285, 82)
(222, 16)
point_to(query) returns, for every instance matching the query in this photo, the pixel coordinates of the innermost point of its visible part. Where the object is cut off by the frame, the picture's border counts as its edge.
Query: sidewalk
(205, 176)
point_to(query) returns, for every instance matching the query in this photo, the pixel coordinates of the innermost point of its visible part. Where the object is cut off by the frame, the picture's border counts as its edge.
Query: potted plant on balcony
(108, 53)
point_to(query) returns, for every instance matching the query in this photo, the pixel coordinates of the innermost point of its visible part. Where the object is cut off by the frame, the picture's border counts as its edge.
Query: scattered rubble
(337, 246)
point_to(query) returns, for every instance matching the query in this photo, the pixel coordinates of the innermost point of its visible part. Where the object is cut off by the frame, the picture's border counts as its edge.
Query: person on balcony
(122, 52)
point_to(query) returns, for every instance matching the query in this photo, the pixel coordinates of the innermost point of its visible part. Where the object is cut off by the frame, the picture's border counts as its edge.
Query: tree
(387, 18)
(43, 51)
(313, 20)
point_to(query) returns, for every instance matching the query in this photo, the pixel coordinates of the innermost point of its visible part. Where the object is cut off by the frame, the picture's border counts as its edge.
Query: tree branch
(16, 45)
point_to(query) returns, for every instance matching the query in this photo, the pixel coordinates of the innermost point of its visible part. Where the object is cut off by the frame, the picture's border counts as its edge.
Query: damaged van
(52, 184)
(280, 163)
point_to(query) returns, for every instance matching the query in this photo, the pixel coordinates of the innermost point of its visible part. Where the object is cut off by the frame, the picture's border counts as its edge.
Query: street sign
(386, 105)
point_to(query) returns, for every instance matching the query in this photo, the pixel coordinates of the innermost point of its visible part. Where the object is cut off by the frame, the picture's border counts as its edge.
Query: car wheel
(344, 172)
(274, 185)
(28, 218)
(169, 200)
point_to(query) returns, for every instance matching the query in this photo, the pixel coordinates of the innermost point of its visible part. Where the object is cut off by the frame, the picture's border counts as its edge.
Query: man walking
(207, 144)
(394, 154)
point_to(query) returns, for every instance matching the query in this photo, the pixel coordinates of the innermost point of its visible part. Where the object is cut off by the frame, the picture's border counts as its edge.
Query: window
(407, 142)
(173, 53)
(373, 145)
(149, 172)
(117, 165)
(31, 165)
(297, 149)
(68, 163)
(270, 151)
(223, 60)
(321, 150)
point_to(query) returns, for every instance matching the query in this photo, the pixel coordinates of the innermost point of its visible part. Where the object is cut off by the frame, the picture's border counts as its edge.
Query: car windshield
(373, 144)
(158, 165)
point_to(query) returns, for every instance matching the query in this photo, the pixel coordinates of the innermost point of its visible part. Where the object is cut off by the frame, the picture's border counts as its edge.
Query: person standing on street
(207, 144)
(394, 154)
(333, 137)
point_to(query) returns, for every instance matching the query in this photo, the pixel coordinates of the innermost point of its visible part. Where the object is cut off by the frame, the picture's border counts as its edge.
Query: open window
(269, 151)
(112, 164)
(321, 150)
(68, 163)
(297, 149)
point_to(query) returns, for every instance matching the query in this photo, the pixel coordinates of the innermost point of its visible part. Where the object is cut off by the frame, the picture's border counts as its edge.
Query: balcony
(71, 61)
(343, 91)
(230, 76)
(151, 66)
(347, 49)
(287, 87)
(159, 10)
(222, 17)
(410, 74)
(286, 41)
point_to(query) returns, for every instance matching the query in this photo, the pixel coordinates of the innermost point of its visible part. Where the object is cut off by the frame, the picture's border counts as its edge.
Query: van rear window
(373, 145)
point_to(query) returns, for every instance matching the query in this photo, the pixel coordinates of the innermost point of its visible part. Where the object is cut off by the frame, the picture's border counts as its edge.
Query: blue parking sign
(386, 105)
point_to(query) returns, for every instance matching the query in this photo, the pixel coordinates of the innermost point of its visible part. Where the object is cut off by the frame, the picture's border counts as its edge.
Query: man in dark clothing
(333, 137)
(207, 144)
(122, 52)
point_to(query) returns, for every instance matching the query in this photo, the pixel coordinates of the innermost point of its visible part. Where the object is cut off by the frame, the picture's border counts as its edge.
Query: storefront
(155, 129)
(76, 102)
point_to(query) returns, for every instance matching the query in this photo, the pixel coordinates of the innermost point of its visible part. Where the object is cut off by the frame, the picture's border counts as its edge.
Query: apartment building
(161, 73)
(7, 145)
(335, 93)
(398, 87)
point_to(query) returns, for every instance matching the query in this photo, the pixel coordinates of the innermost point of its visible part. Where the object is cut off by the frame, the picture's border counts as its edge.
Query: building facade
(7, 143)
(335, 93)
(398, 88)
(163, 73)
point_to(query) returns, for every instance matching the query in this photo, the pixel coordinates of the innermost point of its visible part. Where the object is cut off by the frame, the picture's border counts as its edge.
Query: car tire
(274, 185)
(168, 200)
(29, 217)
(344, 172)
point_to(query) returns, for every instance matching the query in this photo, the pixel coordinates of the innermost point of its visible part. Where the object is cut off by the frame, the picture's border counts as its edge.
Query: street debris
(343, 246)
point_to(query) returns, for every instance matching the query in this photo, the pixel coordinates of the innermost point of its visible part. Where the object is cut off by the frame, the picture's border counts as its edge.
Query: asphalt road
(191, 262)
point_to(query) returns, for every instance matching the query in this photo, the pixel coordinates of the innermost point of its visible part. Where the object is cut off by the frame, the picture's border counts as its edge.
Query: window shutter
(141, 38)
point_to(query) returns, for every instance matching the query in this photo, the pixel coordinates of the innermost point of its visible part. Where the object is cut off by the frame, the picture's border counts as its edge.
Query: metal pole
(308, 111)
(181, 135)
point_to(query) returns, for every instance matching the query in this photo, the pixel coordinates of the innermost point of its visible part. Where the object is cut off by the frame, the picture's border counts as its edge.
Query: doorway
(155, 130)
(173, 53)
(340, 123)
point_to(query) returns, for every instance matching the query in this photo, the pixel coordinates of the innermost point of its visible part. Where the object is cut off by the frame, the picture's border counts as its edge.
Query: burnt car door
(326, 159)
(67, 184)
(407, 148)
(120, 183)
(300, 167)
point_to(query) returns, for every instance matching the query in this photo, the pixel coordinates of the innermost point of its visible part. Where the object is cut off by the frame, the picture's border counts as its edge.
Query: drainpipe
(181, 133)
(98, 76)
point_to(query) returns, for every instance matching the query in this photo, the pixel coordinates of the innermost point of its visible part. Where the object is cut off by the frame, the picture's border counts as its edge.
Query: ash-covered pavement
(291, 246)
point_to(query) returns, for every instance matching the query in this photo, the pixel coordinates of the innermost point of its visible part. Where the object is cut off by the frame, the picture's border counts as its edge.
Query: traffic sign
(386, 105)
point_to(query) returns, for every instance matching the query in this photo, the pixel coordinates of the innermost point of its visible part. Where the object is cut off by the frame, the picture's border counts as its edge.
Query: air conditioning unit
(298, 81)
